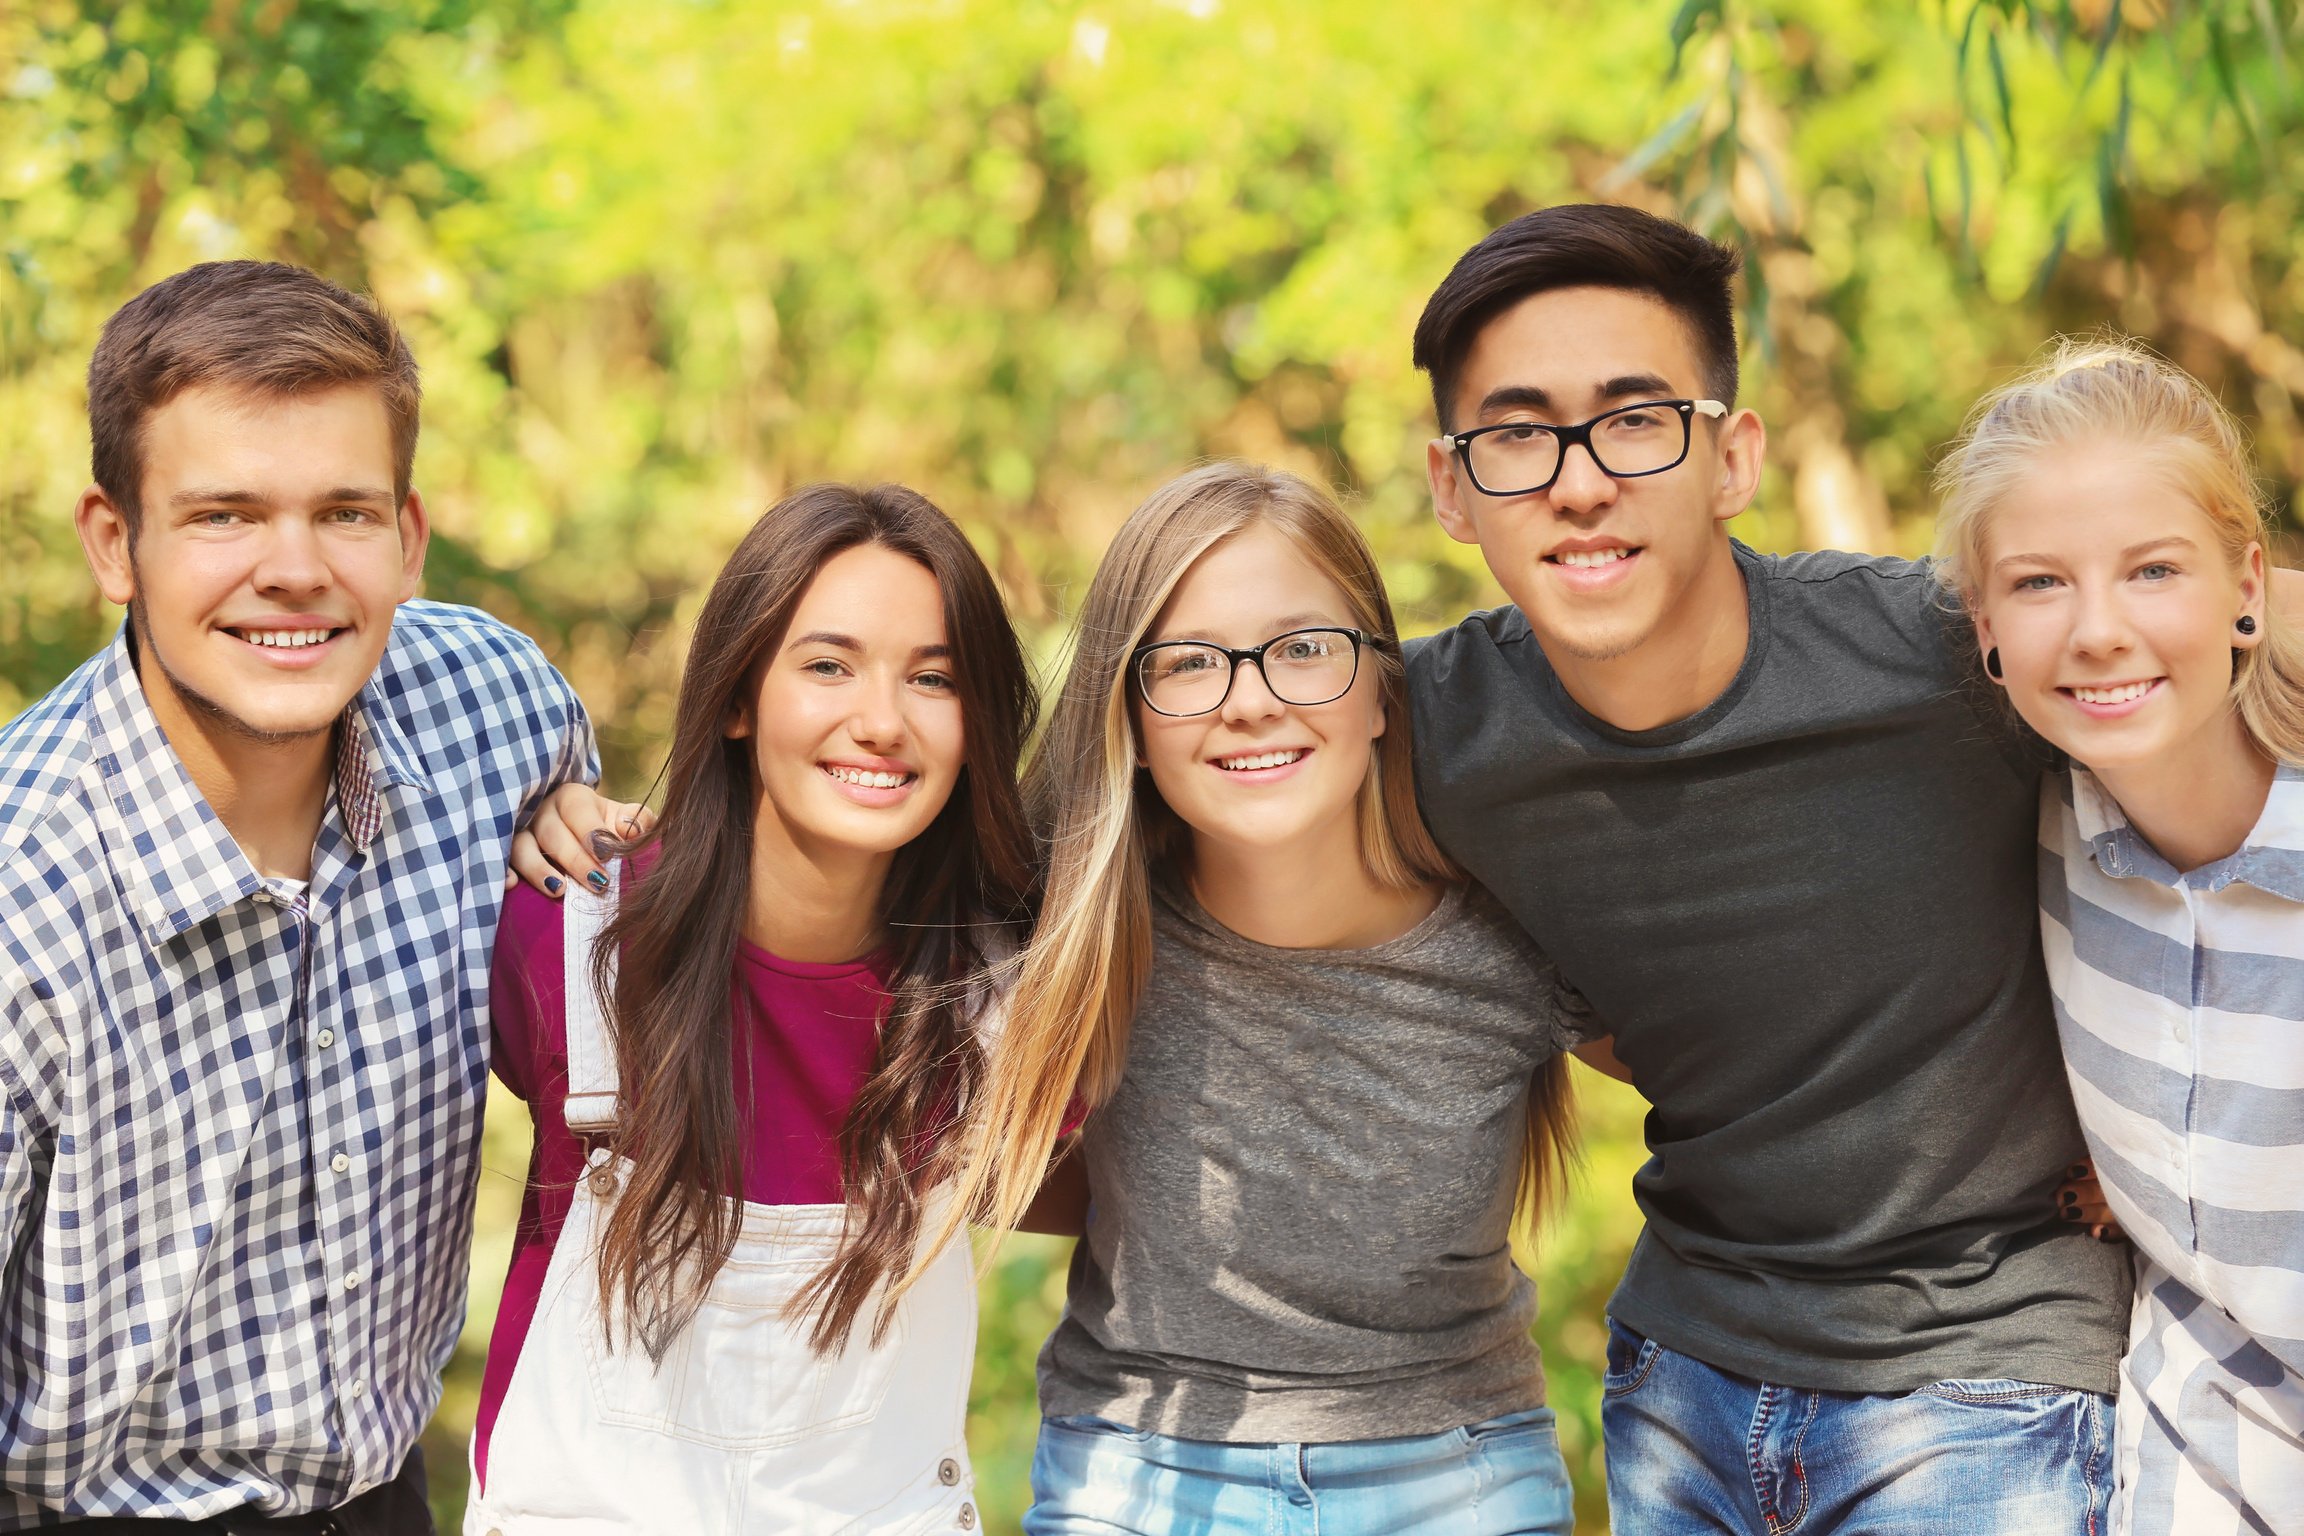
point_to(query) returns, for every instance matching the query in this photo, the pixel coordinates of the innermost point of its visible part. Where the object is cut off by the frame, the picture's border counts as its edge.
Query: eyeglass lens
(1313, 666)
(1639, 441)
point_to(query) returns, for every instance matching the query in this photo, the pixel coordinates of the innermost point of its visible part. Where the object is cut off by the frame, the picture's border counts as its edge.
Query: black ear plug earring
(2247, 624)
(1992, 661)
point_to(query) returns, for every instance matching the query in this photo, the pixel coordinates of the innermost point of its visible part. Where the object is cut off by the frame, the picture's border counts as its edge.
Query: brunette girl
(2100, 523)
(1324, 1071)
(741, 1064)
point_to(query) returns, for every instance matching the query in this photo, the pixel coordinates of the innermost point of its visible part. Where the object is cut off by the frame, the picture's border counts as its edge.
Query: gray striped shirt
(2180, 998)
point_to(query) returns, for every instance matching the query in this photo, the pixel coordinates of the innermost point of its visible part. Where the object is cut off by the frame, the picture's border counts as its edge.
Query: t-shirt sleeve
(1574, 1020)
(525, 989)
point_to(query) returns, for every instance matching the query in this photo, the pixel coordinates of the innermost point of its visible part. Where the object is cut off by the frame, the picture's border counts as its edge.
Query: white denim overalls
(743, 1428)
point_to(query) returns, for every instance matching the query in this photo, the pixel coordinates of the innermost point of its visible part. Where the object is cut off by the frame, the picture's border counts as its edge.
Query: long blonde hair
(2091, 389)
(1105, 831)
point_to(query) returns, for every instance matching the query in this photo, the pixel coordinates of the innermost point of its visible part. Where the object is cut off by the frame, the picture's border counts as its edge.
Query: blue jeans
(1692, 1449)
(1503, 1477)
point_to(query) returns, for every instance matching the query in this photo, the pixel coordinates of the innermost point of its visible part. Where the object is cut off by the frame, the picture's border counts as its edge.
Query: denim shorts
(1692, 1448)
(1501, 1477)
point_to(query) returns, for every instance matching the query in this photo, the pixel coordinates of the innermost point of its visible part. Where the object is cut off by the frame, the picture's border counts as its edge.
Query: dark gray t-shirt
(1808, 912)
(1302, 1189)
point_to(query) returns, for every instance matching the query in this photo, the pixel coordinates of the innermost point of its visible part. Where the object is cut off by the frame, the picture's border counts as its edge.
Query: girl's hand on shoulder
(564, 840)
(2080, 1199)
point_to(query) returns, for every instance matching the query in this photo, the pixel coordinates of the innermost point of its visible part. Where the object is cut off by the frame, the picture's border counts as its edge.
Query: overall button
(967, 1517)
(948, 1472)
(603, 1182)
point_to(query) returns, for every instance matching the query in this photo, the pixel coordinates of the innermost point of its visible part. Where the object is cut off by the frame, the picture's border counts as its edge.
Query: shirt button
(352, 1283)
(327, 1038)
(264, 897)
(967, 1517)
(340, 1163)
(948, 1472)
(359, 1389)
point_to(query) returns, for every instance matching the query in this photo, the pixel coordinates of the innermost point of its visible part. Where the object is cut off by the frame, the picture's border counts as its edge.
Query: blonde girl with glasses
(1326, 1072)
(2100, 523)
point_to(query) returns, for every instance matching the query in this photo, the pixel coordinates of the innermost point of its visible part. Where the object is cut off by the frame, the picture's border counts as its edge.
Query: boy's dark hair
(258, 326)
(1598, 245)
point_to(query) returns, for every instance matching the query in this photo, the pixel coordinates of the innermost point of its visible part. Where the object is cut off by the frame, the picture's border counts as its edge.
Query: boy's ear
(415, 539)
(107, 541)
(1448, 491)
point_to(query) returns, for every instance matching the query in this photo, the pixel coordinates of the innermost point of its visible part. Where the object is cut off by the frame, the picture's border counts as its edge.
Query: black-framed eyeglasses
(1519, 458)
(1304, 667)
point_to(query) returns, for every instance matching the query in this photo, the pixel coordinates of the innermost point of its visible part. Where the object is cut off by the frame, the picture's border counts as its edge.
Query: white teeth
(1585, 558)
(1259, 760)
(285, 639)
(866, 777)
(2119, 695)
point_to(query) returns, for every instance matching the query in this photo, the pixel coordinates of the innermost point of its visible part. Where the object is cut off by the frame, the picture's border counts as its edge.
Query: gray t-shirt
(1301, 1192)
(1808, 912)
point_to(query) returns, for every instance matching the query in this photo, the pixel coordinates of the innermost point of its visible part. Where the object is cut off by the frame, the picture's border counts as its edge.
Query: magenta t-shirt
(806, 1032)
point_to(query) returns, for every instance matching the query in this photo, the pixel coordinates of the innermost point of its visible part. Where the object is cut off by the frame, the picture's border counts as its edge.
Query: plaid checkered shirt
(240, 1118)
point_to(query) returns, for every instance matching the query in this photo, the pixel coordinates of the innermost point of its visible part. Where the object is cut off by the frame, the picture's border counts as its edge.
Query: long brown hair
(671, 947)
(1106, 831)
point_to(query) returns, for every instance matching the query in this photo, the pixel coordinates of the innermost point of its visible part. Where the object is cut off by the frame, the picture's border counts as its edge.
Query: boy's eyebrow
(1651, 385)
(1528, 397)
(203, 497)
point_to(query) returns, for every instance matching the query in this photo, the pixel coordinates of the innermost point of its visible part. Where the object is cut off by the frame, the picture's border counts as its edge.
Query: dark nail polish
(597, 880)
(552, 884)
(2076, 1171)
(603, 845)
(2069, 1201)
(2069, 1213)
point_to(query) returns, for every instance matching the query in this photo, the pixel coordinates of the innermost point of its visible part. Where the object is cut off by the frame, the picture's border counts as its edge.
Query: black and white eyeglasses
(1304, 667)
(1519, 458)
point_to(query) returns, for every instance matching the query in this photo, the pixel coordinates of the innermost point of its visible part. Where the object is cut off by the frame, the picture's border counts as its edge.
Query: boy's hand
(559, 844)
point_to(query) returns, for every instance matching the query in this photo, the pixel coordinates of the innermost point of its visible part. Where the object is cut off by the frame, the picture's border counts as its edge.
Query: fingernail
(2076, 1171)
(597, 880)
(552, 884)
(603, 845)
(2068, 1214)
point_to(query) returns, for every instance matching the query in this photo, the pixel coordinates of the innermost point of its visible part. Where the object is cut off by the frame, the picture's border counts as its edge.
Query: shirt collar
(2271, 858)
(178, 864)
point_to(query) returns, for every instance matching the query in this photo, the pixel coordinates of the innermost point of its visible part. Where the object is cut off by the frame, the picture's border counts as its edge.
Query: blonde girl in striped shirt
(2100, 523)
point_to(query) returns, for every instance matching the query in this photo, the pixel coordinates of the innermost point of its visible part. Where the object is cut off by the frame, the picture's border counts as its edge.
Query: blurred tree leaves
(661, 261)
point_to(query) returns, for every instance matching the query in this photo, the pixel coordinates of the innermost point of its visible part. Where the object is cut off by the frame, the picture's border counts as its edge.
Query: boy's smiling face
(269, 557)
(1599, 565)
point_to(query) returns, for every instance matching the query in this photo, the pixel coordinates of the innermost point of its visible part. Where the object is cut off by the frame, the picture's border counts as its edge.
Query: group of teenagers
(1949, 914)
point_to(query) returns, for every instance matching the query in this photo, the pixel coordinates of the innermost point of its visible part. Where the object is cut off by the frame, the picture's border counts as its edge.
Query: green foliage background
(662, 261)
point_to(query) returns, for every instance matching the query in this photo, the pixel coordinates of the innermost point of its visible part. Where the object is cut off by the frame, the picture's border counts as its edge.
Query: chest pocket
(741, 1375)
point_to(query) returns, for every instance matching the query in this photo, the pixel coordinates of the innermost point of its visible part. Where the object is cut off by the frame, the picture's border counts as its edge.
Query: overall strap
(591, 1105)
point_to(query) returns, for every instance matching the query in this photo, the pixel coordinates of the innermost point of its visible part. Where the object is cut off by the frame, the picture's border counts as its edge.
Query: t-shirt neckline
(1172, 891)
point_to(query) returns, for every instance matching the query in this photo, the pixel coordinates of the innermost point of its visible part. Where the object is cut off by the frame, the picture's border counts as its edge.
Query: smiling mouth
(284, 639)
(1590, 559)
(868, 778)
(2118, 693)
(1248, 762)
